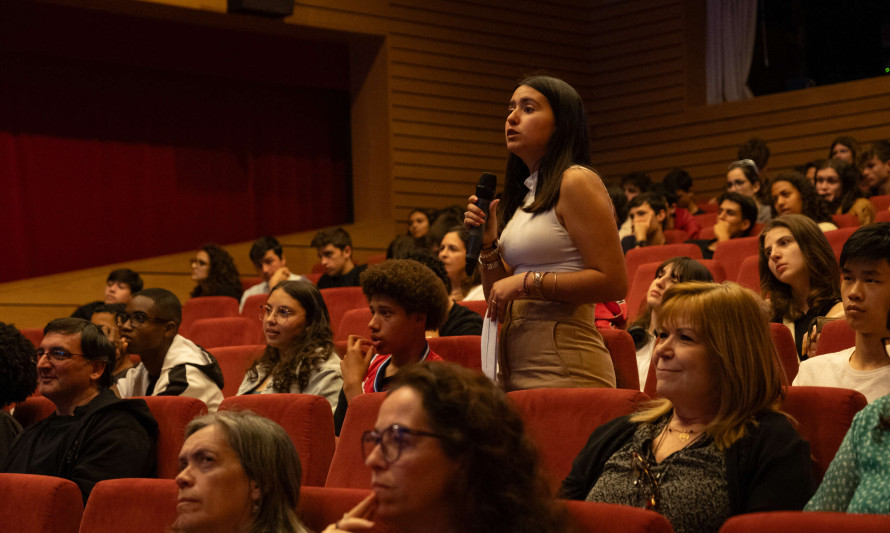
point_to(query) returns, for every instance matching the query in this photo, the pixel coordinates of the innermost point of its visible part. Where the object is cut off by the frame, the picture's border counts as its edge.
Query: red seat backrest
(560, 421)
(342, 299)
(247, 283)
(354, 322)
(674, 236)
(882, 216)
(706, 219)
(308, 421)
(836, 335)
(837, 238)
(639, 286)
(252, 305)
(33, 410)
(477, 306)
(35, 335)
(658, 254)
(134, 505)
(313, 276)
(823, 416)
(228, 331)
(731, 253)
(881, 202)
(320, 507)
(808, 521)
(786, 351)
(234, 362)
(348, 468)
(465, 350)
(749, 273)
(845, 221)
(624, 357)
(173, 413)
(206, 307)
(39, 504)
(613, 518)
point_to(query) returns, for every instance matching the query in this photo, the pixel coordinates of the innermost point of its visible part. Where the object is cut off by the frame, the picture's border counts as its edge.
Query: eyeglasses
(645, 480)
(391, 441)
(195, 261)
(279, 316)
(56, 354)
(136, 318)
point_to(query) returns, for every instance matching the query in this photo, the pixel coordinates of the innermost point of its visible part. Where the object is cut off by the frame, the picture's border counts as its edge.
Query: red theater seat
(320, 507)
(806, 522)
(234, 362)
(657, 254)
(308, 421)
(836, 335)
(206, 307)
(465, 350)
(228, 331)
(837, 238)
(624, 357)
(39, 504)
(731, 253)
(611, 518)
(348, 468)
(786, 351)
(33, 410)
(342, 299)
(131, 505)
(173, 413)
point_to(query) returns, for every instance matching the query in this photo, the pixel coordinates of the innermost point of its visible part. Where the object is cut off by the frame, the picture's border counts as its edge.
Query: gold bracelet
(490, 265)
(524, 291)
(539, 285)
(490, 257)
(553, 293)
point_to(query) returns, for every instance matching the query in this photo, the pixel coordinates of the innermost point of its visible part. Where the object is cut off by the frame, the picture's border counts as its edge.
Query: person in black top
(334, 248)
(214, 271)
(93, 435)
(18, 378)
(120, 287)
(736, 217)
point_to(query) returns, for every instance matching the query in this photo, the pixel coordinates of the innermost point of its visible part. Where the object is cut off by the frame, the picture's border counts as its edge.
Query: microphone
(485, 193)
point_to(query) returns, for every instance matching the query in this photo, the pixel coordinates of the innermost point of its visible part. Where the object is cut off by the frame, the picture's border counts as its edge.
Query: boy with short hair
(334, 247)
(267, 257)
(647, 213)
(406, 299)
(865, 289)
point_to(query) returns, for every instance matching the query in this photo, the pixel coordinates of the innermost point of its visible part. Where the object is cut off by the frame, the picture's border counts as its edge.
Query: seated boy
(736, 217)
(865, 289)
(406, 299)
(647, 214)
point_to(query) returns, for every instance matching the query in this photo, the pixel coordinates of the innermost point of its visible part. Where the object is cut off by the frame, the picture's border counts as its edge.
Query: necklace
(682, 434)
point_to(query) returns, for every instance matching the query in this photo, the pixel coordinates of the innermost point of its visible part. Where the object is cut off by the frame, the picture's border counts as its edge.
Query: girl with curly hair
(449, 453)
(299, 355)
(837, 182)
(18, 379)
(214, 271)
(793, 194)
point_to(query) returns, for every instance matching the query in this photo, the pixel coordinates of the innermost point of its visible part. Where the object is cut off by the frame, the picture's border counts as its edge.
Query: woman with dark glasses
(714, 443)
(299, 355)
(449, 454)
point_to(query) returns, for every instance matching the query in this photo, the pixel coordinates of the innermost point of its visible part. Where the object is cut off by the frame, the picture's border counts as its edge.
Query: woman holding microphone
(550, 249)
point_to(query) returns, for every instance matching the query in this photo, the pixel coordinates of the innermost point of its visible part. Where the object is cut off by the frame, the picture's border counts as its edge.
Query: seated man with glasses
(171, 364)
(406, 300)
(93, 435)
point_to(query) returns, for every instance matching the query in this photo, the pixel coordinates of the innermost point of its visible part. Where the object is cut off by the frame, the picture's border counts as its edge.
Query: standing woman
(798, 274)
(214, 271)
(558, 252)
(837, 182)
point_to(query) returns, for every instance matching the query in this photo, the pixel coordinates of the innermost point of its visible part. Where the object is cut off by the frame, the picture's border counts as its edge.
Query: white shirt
(834, 370)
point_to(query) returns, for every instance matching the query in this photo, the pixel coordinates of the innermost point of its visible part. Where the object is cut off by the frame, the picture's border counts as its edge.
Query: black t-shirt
(461, 321)
(350, 279)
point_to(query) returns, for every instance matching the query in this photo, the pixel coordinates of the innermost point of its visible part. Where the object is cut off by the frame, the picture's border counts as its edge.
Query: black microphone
(485, 193)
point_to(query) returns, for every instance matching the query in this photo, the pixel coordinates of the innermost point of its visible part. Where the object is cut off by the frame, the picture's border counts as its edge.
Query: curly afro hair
(18, 368)
(412, 285)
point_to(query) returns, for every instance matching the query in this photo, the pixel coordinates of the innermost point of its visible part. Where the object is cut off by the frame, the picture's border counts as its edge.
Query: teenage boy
(334, 247)
(865, 289)
(736, 218)
(120, 286)
(267, 257)
(875, 167)
(647, 213)
(406, 299)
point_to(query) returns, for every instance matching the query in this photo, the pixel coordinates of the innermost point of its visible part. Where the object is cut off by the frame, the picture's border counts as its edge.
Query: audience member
(557, 255)
(714, 444)
(460, 320)
(119, 288)
(453, 253)
(443, 220)
(678, 217)
(736, 218)
(418, 222)
(18, 379)
(845, 148)
(809, 169)
(798, 274)
(865, 289)
(756, 150)
(449, 450)
(418, 237)
(335, 253)
(744, 178)
(93, 435)
(837, 182)
(792, 194)
(874, 164)
(299, 355)
(171, 364)
(267, 257)
(679, 182)
(105, 316)
(619, 204)
(406, 299)
(215, 274)
(647, 213)
(239, 472)
(643, 330)
(635, 184)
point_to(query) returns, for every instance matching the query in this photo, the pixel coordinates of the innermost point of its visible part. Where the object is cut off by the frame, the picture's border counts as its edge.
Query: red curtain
(107, 163)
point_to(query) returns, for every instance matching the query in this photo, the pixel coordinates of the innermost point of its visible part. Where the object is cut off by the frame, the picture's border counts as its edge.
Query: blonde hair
(733, 323)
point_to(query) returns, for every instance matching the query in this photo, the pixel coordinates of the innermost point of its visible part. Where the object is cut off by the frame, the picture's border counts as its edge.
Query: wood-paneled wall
(430, 83)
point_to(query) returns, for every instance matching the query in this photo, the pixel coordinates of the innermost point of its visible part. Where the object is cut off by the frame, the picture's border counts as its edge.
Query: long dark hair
(499, 486)
(222, 274)
(849, 178)
(825, 285)
(569, 145)
(305, 355)
(812, 204)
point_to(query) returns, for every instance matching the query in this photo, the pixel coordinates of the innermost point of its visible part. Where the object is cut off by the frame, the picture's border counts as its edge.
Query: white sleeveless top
(538, 242)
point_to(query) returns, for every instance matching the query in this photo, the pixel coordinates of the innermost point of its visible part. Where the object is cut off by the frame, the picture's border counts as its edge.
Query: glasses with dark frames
(391, 441)
(137, 318)
(56, 354)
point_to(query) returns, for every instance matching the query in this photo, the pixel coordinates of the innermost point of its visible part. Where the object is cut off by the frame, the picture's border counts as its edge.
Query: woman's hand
(357, 518)
(504, 291)
(354, 364)
(474, 217)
